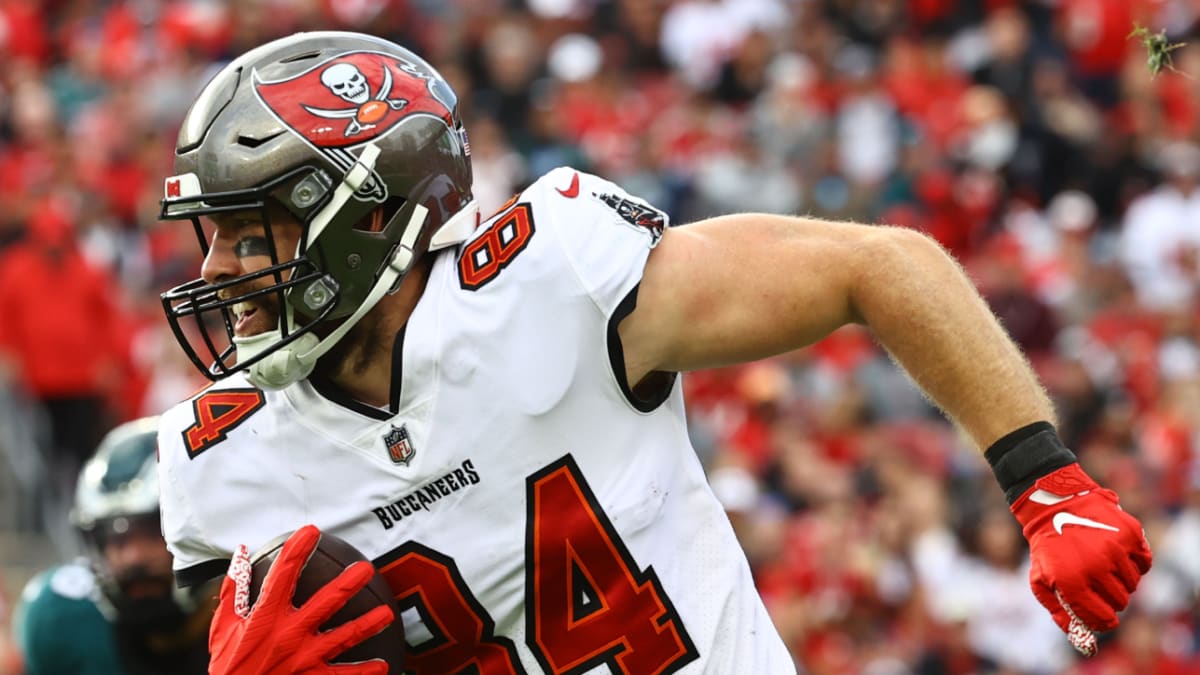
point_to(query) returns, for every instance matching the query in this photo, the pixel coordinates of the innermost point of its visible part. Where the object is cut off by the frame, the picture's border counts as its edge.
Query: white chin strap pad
(282, 366)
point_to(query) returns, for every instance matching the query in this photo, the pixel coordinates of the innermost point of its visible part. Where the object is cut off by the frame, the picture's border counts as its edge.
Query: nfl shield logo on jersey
(399, 445)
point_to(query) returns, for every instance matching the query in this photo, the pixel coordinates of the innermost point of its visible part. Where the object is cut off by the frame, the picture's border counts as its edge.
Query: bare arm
(748, 286)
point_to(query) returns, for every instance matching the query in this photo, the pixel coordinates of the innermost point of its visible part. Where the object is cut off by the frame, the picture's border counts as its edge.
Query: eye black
(251, 246)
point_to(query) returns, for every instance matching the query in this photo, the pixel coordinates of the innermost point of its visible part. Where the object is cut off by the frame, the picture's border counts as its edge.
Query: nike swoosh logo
(1067, 518)
(572, 190)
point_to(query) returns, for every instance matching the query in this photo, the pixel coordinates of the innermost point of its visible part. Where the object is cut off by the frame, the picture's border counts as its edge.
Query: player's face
(240, 245)
(137, 557)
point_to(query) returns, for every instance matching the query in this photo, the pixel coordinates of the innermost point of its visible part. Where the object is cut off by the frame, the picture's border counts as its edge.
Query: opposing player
(118, 611)
(489, 408)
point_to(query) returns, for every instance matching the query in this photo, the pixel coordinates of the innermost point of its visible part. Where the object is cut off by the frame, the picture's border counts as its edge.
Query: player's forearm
(929, 316)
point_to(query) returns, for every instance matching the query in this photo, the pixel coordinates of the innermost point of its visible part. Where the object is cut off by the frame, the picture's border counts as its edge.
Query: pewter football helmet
(361, 141)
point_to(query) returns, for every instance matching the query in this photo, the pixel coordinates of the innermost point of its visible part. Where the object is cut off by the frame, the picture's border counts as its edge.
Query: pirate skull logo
(351, 99)
(346, 81)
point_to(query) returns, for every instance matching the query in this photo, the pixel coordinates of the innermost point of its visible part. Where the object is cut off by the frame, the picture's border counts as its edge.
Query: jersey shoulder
(69, 585)
(568, 226)
(581, 203)
(64, 596)
(209, 417)
(192, 479)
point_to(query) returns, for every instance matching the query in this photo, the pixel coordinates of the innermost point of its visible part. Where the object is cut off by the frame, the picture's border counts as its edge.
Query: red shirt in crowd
(60, 313)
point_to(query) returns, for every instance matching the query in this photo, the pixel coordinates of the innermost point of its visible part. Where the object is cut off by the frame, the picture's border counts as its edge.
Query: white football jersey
(531, 513)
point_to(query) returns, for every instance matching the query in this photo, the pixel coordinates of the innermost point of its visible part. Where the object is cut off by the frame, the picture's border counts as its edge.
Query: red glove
(1087, 554)
(277, 637)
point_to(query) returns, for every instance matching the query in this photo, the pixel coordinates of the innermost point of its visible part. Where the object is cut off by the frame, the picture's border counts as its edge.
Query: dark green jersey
(61, 630)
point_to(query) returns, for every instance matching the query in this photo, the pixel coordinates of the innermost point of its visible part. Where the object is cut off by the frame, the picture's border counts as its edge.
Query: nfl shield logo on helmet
(399, 445)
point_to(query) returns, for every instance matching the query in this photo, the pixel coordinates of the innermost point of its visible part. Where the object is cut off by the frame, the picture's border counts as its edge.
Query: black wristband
(1025, 455)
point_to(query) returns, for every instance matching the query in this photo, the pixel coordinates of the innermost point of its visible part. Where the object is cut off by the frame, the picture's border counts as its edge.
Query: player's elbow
(890, 258)
(903, 240)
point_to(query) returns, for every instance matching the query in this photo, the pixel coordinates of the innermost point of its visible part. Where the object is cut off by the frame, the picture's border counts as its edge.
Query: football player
(117, 611)
(489, 408)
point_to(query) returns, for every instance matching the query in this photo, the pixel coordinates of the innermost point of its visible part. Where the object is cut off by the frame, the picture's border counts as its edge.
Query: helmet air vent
(303, 56)
(252, 142)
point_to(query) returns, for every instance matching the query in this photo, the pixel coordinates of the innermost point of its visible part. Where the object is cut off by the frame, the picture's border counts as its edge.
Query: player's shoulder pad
(605, 233)
(202, 448)
(59, 625)
(60, 586)
(585, 200)
(189, 428)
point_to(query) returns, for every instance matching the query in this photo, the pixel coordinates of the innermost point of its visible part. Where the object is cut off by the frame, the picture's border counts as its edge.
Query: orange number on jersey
(463, 638)
(217, 413)
(489, 253)
(586, 601)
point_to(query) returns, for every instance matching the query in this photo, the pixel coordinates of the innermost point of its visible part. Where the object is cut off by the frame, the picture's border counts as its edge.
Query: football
(331, 556)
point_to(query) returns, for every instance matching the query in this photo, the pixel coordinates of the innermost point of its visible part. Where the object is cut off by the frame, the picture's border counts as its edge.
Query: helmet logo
(351, 99)
(347, 81)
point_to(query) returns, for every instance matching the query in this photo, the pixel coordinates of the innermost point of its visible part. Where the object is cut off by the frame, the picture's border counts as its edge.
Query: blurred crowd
(1029, 137)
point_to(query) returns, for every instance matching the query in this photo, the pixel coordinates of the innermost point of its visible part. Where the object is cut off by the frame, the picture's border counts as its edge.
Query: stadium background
(1029, 138)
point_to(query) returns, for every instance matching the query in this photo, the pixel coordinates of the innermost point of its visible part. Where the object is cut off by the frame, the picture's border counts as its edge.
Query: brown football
(331, 556)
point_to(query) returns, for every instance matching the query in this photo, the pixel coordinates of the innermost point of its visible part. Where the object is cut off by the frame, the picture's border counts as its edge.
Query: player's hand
(277, 637)
(1087, 554)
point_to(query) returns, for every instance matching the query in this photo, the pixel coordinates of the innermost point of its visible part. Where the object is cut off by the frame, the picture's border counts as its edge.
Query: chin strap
(294, 362)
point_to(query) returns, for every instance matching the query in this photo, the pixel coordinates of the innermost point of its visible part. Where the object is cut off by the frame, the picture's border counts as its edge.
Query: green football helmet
(117, 496)
(360, 140)
(121, 479)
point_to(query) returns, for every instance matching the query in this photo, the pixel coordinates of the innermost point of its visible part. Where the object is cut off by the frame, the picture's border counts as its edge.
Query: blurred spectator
(631, 34)
(1173, 589)
(508, 63)
(31, 153)
(867, 22)
(988, 138)
(23, 34)
(744, 75)
(741, 180)
(61, 332)
(500, 169)
(786, 120)
(1145, 645)
(1009, 67)
(1096, 35)
(986, 589)
(868, 133)
(925, 87)
(1001, 277)
(698, 36)
(1161, 240)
